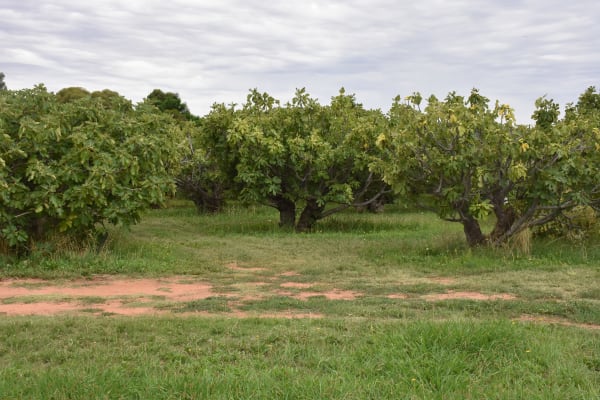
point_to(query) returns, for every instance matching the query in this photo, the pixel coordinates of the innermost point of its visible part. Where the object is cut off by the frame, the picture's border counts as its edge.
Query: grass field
(423, 317)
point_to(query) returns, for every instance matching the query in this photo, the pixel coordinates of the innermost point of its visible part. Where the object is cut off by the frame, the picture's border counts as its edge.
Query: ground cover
(369, 306)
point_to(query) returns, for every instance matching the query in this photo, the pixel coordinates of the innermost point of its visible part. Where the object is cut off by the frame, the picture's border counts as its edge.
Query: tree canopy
(171, 103)
(209, 165)
(306, 155)
(73, 160)
(68, 167)
(464, 160)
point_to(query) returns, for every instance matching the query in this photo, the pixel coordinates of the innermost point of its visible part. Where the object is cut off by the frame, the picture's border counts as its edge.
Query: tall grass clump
(521, 242)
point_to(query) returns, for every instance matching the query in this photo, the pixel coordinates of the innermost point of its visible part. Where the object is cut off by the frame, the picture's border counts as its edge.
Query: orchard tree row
(70, 165)
(461, 157)
(465, 159)
(72, 161)
(300, 158)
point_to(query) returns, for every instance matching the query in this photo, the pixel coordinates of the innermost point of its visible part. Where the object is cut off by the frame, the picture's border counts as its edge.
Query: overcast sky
(214, 51)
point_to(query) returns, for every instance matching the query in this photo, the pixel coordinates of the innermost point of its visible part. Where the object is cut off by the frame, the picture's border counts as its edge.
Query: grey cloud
(515, 50)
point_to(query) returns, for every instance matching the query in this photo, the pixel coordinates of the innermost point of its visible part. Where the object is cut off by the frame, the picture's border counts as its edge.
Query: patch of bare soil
(555, 320)
(289, 274)
(297, 285)
(117, 293)
(451, 295)
(128, 296)
(397, 296)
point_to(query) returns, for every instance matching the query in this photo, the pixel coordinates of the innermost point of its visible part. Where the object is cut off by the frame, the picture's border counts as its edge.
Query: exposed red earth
(113, 295)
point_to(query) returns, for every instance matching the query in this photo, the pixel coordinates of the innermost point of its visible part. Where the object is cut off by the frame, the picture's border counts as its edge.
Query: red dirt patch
(297, 285)
(170, 288)
(289, 274)
(467, 296)
(397, 296)
(129, 296)
(115, 290)
(335, 294)
(556, 321)
(41, 308)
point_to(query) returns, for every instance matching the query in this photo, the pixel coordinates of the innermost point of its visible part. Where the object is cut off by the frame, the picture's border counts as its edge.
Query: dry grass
(522, 242)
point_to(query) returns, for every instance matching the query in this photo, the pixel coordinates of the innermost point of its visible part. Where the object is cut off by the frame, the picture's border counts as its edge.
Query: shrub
(70, 167)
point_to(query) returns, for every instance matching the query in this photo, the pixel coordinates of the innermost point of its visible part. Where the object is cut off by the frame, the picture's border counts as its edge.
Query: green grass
(179, 241)
(178, 358)
(373, 346)
(210, 305)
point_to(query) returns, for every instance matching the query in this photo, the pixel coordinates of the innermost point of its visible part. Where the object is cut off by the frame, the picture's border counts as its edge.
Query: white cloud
(515, 50)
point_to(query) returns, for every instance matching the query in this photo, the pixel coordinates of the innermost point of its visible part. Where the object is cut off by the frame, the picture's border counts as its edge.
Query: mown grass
(179, 358)
(371, 347)
(179, 241)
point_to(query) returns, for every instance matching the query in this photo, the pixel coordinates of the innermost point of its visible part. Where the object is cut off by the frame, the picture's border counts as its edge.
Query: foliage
(113, 100)
(171, 103)
(562, 158)
(438, 157)
(208, 167)
(203, 176)
(582, 122)
(576, 224)
(69, 94)
(108, 98)
(69, 166)
(305, 154)
(464, 161)
(2, 83)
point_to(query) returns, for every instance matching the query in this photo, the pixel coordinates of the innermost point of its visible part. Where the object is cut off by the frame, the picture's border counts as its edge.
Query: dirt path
(114, 295)
(102, 295)
(127, 296)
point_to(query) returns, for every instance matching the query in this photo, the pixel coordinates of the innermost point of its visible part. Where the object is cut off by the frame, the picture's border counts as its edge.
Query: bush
(71, 167)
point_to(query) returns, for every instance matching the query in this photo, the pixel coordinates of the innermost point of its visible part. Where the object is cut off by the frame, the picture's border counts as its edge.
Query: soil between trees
(116, 295)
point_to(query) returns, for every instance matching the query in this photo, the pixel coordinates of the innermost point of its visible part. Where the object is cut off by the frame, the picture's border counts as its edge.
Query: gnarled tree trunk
(473, 232)
(206, 199)
(287, 211)
(310, 215)
(505, 217)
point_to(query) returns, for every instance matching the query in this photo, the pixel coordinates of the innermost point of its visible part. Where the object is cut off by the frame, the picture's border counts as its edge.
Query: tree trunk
(505, 217)
(209, 200)
(208, 204)
(287, 211)
(473, 232)
(377, 206)
(310, 215)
